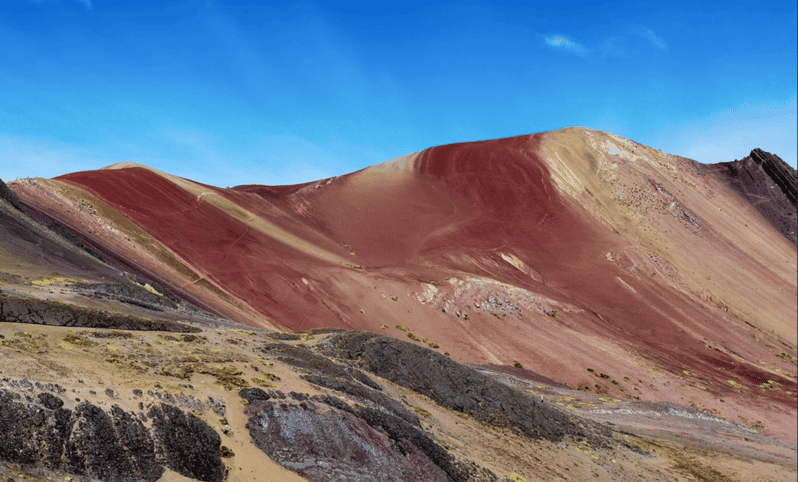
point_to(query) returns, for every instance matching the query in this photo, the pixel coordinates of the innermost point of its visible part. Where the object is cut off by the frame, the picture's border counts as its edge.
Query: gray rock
(115, 446)
(186, 444)
(48, 400)
(322, 443)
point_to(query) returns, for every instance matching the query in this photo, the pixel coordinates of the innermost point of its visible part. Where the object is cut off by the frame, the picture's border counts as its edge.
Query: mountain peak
(779, 172)
(768, 184)
(626, 259)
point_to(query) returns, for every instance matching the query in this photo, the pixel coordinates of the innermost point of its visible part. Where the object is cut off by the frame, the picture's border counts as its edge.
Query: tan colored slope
(730, 256)
(88, 362)
(586, 257)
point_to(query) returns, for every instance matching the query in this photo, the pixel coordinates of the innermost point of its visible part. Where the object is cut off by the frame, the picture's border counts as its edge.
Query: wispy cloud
(564, 43)
(653, 38)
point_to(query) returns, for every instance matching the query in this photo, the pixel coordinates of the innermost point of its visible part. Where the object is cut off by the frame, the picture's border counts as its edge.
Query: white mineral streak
(563, 176)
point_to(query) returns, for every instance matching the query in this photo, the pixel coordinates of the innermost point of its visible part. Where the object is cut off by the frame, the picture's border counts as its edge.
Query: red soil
(453, 212)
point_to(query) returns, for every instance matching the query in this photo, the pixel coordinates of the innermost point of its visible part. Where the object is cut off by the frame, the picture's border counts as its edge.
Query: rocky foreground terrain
(243, 404)
(564, 306)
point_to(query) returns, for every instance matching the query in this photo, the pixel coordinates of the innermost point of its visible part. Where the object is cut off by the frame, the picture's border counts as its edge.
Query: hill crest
(565, 250)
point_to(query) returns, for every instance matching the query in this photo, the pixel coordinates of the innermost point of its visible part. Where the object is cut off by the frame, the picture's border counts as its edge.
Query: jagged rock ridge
(769, 184)
(10, 196)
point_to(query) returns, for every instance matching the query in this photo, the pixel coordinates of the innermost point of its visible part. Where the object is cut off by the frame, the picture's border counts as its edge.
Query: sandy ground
(680, 441)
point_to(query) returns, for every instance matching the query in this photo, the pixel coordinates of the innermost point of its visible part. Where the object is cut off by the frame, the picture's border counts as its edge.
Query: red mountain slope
(586, 257)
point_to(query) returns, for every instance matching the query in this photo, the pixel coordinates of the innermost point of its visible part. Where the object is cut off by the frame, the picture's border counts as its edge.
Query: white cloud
(653, 38)
(564, 43)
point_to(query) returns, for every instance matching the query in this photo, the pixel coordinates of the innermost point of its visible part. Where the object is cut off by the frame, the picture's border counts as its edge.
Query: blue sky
(231, 92)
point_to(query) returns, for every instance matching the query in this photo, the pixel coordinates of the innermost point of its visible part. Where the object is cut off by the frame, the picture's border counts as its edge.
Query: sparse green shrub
(518, 364)
(419, 411)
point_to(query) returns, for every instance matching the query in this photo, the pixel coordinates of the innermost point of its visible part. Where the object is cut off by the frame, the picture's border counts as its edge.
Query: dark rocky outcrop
(301, 432)
(127, 293)
(48, 400)
(460, 388)
(10, 196)
(44, 312)
(326, 373)
(400, 430)
(137, 443)
(186, 444)
(779, 171)
(93, 448)
(106, 446)
(769, 184)
(323, 443)
(254, 394)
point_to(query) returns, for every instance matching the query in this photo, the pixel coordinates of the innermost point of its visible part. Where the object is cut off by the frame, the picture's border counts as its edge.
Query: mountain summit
(587, 258)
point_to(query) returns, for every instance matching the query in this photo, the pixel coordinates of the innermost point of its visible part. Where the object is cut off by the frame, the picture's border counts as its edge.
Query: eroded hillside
(639, 289)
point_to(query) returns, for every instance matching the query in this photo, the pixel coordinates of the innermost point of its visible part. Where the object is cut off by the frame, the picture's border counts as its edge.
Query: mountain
(574, 260)
(769, 184)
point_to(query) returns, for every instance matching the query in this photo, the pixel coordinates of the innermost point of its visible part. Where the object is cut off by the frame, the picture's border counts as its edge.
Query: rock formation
(110, 445)
(769, 184)
(568, 305)
(10, 196)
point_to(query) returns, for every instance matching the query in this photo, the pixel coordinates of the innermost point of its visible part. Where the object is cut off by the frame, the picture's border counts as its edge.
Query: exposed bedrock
(324, 372)
(324, 438)
(769, 184)
(779, 171)
(323, 443)
(459, 387)
(128, 293)
(7, 194)
(108, 446)
(188, 445)
(44, 312)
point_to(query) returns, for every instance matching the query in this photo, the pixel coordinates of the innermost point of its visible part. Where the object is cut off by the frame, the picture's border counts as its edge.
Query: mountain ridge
(754, 178)
(587, 258)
